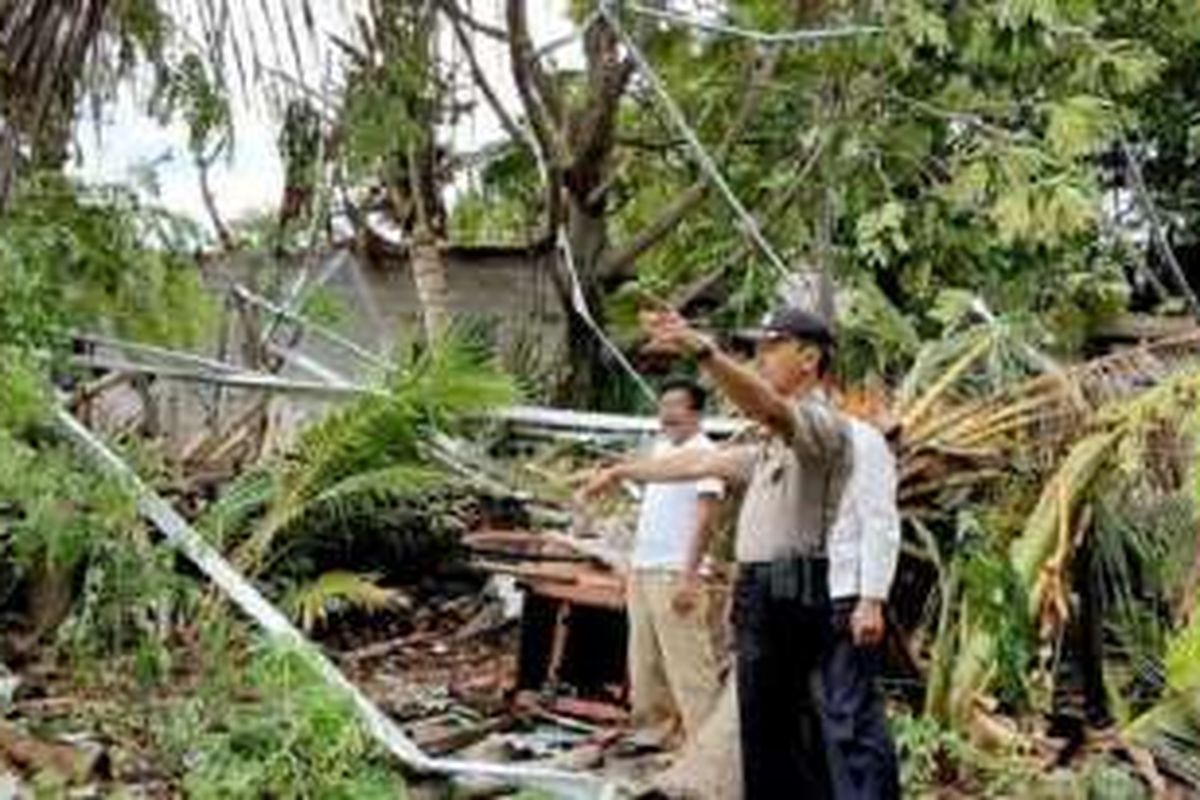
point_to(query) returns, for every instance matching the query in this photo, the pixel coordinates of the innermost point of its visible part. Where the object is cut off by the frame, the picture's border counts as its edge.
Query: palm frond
(247, 496)
(311, 604)
(357, 494)
(1171, 732)
(1183, 658)
(372, 452)
(1119, 436)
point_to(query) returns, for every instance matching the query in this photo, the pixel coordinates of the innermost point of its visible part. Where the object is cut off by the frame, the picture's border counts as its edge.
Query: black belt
(803, 578)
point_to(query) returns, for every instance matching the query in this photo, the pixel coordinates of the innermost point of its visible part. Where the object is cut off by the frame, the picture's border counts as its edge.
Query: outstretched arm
(727, 463)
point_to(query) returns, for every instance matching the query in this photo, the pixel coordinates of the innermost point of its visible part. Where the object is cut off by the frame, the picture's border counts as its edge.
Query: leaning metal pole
(562, 784)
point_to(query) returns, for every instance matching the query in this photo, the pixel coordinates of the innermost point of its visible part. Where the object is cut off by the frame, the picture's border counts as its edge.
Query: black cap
(791, 322)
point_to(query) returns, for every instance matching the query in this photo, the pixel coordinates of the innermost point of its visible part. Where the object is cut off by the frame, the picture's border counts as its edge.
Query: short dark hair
(682, 383)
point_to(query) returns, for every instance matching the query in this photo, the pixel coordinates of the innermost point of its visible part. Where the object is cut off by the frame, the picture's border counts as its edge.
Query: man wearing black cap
(794, 471)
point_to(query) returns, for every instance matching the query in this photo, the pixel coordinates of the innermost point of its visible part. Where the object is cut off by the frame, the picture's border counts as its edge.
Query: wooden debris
(449, 734)
(601, 714)
(29, 753)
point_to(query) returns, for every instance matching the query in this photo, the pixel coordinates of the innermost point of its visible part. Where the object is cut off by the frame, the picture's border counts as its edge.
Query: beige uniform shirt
(793, 487)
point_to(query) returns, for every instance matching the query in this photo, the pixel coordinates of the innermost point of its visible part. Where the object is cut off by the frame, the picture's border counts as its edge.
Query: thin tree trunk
(587, 363)
(8, 162)
(425, 257)
(429, 276)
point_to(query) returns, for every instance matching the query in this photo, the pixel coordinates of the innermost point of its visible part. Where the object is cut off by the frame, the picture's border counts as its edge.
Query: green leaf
(1078, 126)
(1013, 215)
(312, 603)
(880, 233)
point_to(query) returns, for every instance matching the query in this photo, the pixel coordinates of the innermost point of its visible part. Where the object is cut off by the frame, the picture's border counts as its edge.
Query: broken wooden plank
(600, 714)
(447, 734)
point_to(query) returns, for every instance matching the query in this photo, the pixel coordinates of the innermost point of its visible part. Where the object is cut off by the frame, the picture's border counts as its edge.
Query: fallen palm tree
(1039, 458)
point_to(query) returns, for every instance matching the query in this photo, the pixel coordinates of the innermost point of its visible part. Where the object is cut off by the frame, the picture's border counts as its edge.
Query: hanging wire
(765, 37)
(581, 308)
(578, 300)
(703, 158)
(605, 10)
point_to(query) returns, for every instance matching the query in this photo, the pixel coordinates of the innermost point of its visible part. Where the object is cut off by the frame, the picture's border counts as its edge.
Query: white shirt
(864, 543)
(670, 513)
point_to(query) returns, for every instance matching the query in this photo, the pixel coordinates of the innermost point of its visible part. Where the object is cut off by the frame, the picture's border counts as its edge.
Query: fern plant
(312, 603)
(353, 468)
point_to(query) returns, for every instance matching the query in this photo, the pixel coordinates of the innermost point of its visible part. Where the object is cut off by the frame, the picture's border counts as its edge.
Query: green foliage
(314, 602)
(295, 739)
(74, 257)
(503, 206)
(364, 459)
(61, 518)
(131, 602)
(191, 91)
(63, 509)
(927, 752)
(1143, 543)
(1183, 658)
(300, 145)
(934, 758)
(391, 100)
(997, 602)
(24, 398)
(873, 335)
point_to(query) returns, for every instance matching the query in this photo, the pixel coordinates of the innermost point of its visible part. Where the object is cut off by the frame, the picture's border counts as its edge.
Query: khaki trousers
(672, 667)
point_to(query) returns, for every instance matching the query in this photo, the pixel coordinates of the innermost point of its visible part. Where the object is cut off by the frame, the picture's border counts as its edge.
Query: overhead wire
(700, 153)
(578, 300)
(766, 37)
(607, 12)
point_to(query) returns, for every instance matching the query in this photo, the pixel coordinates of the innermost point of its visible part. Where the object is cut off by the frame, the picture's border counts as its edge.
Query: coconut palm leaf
(312, 603)
(246, 497)
(1118, 446)
(372, 451)
(342, 502)
(1171, 732)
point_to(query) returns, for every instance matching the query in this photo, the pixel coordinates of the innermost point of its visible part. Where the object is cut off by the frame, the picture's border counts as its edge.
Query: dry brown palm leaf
(912, 414)
(1039, 417)
(1122, 436)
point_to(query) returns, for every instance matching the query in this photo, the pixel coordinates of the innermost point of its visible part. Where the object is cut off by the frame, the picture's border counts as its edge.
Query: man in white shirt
(672, 667)
(864, 545)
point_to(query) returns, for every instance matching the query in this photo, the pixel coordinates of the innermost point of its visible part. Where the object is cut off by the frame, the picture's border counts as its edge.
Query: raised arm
(811, 427)
(745, 388)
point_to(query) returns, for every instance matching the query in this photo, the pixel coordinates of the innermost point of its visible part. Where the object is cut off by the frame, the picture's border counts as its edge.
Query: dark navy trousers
(782, 626)
(811, 717)
(862, 759)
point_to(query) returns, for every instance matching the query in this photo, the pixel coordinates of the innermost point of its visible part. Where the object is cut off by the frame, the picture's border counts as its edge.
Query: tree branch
(593, 130)
(210, 202)
(541, 101)
(784, 197)
(1158, 230)
(480, 77)
(526, 73)
(460, 18)
(619, 261)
